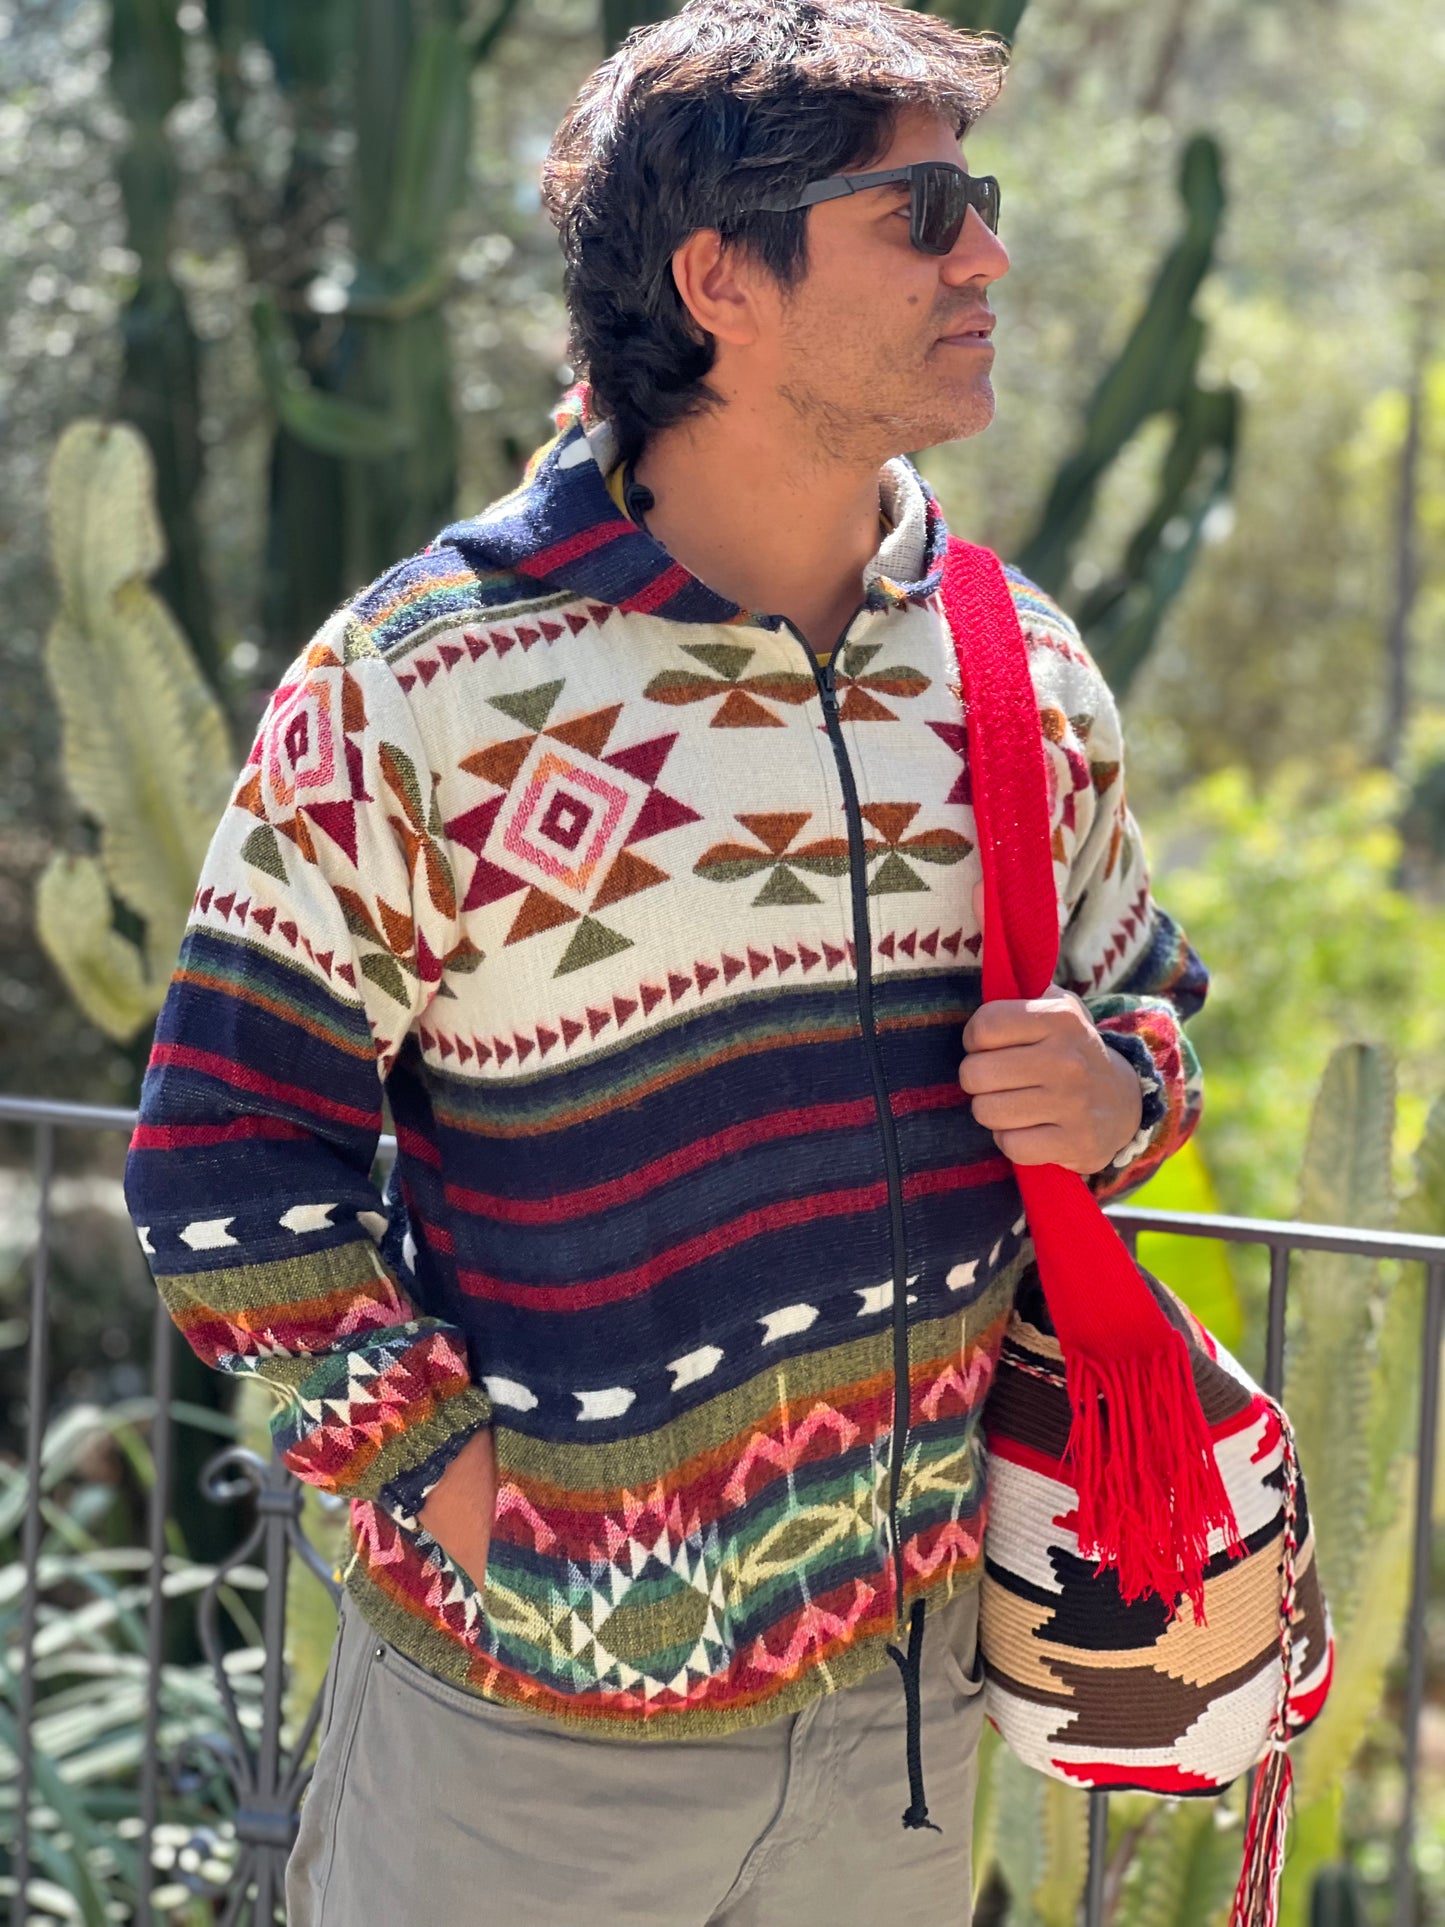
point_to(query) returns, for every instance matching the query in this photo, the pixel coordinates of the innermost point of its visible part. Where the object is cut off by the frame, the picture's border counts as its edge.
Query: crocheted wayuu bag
(1151, 1614)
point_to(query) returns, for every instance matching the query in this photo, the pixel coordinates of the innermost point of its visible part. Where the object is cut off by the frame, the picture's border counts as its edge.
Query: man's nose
(977, 254)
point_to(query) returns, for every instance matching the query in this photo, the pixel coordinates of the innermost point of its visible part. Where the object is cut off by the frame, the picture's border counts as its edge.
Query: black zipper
(893, 1164)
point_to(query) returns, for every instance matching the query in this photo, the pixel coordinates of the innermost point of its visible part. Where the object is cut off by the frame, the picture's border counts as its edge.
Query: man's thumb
(978, 905)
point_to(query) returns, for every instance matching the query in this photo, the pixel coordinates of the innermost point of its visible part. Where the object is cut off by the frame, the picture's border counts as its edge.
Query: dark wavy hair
(691, 124)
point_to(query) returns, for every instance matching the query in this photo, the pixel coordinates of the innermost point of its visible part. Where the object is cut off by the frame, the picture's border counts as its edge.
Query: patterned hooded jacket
(656, 935)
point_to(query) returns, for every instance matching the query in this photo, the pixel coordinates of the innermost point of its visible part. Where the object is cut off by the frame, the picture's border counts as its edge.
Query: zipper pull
(826, 689)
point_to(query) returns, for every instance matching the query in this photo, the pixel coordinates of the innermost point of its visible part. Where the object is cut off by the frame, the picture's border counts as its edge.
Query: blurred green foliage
(1290, 892)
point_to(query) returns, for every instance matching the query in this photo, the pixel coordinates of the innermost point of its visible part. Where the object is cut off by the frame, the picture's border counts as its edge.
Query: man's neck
(755, 510)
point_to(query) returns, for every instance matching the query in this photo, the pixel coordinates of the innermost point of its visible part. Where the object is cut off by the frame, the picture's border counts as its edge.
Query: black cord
(912, 1670)
(637, 499)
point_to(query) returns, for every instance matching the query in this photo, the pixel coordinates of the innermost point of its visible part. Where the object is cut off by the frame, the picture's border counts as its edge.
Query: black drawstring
(639, 498)
(911, 1669)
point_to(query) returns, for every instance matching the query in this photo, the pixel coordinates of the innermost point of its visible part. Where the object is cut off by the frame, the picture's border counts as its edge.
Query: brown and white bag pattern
(1104, 1694)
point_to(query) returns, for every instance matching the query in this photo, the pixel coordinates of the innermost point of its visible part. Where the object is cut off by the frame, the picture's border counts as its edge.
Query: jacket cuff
(430, 1448)
(1148, 1033)
(1137, 1054)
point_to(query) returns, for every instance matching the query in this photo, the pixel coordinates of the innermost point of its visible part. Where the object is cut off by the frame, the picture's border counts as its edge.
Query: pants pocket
(413, 1681)
(957, 1633)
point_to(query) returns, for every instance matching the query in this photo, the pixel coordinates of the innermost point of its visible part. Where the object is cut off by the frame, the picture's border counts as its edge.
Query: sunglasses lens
(940, 202)
(942, 196)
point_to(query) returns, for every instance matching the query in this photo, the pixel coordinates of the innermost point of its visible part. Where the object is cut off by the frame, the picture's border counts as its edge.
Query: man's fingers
(1040, 1144)
(978, 905)
(1013, 1021)
(1019, 1068)
(1025, 1020)
(1014, 1111)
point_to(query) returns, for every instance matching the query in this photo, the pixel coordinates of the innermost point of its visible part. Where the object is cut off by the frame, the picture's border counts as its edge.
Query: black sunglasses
(940, 195)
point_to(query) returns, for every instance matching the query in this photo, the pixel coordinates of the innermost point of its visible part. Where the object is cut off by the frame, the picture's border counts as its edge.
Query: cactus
(1034, 1831)
(160, 370)
(1182, 1870)
(143, 739)
(364, 462)
(984, 16)
(619, 17)
(1156, 373)
(1352, 1393)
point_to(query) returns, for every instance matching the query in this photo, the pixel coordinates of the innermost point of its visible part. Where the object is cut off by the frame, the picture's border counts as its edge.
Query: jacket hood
(562, 529)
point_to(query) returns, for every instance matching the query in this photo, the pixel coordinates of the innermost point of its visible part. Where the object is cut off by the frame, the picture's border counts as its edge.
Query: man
(623, 839)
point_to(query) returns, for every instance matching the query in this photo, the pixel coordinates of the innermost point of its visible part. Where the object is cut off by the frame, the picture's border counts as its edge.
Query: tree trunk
(1407, 566)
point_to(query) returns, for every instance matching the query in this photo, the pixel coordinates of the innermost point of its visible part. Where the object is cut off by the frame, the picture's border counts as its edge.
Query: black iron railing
(267, 1769)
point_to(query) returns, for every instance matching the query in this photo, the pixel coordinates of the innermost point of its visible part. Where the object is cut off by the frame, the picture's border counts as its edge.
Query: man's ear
(717, 287)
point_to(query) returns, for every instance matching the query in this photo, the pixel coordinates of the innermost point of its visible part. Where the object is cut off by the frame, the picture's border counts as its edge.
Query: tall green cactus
(1353, 1393)
(364, 462)
(983, 16)
(1156, 373)
(160, 367)
(1034, 1832)
(143, 739)
(619, 17)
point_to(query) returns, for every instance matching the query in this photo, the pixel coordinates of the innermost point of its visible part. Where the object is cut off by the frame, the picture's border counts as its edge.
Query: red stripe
(956, 1177)
(676, 1164)
(928, 1097)
(1226, 1428)
(239, 1077)
(413, 1145)
(1015, 1452)
(583, 543)
(1306, 1705)
(1153, 1779)
(627, 1284)
(661, 589)
(180, 1137)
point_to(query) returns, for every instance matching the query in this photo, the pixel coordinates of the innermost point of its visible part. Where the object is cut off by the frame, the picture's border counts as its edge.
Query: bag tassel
(1256, 1899)
(1142, 1462)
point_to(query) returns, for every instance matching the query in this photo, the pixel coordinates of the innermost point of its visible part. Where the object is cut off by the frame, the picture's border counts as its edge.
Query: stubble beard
(872, 434)
(855, 404)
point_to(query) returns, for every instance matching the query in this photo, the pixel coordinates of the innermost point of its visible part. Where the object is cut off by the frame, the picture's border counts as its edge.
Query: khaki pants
(429, 1808)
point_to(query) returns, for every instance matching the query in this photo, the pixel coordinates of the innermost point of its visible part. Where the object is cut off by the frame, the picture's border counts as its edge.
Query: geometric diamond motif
(566, 813)
(559, 795)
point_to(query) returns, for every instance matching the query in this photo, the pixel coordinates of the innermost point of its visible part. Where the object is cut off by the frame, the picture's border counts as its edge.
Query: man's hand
(1045, 1083)
(459, 1512)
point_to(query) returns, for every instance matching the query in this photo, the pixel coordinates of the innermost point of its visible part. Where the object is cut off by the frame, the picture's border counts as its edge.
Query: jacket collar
(562, 529)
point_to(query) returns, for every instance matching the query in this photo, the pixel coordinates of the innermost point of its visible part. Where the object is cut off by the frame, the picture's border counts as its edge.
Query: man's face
(868, 349)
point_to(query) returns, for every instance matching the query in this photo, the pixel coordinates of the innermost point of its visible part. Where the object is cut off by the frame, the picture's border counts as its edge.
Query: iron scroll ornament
(266, 1776)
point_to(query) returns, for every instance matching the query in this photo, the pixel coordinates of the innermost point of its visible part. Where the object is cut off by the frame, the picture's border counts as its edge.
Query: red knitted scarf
(1139, 1453)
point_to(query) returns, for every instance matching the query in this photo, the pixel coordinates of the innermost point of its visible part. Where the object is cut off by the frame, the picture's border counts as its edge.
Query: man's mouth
(977, 330)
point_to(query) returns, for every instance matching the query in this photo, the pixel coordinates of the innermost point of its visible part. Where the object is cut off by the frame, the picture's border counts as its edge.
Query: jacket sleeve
(1121, 952)
(324, 919)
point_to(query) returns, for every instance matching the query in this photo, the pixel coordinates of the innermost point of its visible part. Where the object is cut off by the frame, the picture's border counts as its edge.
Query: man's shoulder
(1044, 623)
(444, 587)
(1064, 672)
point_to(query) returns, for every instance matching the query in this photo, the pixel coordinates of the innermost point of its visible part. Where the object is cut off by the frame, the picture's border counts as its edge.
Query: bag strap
(1140, 1454)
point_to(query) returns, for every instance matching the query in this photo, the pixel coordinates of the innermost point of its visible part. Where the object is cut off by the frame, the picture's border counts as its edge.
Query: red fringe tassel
(1142, 1462)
